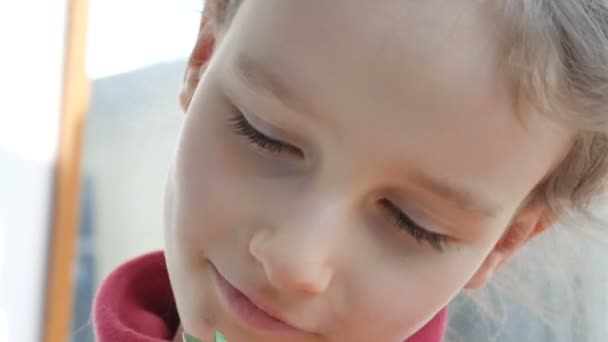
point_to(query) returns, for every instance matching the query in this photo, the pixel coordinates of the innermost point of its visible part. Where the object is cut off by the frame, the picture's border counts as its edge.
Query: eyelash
(241, 126)
(405, 223)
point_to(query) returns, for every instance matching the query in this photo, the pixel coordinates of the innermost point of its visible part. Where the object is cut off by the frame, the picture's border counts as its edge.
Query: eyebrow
(258, 77)
(465, 199)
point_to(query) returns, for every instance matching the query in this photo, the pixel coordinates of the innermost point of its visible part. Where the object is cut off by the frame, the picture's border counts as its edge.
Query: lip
(252, 313)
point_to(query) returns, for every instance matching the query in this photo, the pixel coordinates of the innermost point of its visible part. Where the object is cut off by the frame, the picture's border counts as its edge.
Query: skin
(373, 94)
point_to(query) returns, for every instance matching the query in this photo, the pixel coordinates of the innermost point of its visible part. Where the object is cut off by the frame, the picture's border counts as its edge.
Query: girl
(347, 167)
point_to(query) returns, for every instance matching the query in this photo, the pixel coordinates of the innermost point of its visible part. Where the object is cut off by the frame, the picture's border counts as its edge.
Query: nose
(299, 256)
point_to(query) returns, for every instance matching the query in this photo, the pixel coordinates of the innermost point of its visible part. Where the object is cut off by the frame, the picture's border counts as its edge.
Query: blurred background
(88, 132)
(134, 56)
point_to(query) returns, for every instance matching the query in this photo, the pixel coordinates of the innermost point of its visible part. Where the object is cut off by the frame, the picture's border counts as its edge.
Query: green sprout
(218, 337)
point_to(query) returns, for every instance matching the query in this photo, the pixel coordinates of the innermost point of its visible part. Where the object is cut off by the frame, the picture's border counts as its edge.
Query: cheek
(210, 187)
(409, 293)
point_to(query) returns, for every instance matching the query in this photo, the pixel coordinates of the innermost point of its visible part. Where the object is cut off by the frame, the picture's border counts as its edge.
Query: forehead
(421, 80)
(397, 34)
(388, 52)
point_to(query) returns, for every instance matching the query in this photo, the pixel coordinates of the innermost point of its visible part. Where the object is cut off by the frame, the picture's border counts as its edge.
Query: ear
(202, 51)
(528, 224)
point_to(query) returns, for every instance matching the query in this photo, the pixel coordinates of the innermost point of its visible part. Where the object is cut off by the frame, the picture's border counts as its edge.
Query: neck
(178, 335)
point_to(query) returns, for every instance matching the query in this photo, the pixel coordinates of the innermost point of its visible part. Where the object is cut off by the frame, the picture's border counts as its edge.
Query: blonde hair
(559, 54)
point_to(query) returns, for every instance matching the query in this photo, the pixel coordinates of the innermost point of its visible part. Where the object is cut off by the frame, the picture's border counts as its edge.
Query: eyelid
(419, 223)
(427, 216)
(430, 222)
(265, 142)
(420, 219)
(420, 232)
(266, 128)
(274, 132)
(274, 118)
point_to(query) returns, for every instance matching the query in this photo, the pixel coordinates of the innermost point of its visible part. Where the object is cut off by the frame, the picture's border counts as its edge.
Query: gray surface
(557, 293)
(130, 134)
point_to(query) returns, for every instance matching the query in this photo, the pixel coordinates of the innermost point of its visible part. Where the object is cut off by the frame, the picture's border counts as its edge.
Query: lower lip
(246, 311)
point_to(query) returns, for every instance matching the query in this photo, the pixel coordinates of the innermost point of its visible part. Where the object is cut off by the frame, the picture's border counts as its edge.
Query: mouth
(253, 314)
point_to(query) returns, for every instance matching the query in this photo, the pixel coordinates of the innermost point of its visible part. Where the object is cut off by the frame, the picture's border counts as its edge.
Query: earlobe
(486, 271)
(527, 226)
(199, 58)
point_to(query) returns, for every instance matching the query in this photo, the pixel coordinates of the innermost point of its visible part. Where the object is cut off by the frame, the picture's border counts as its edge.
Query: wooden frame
(63, 237)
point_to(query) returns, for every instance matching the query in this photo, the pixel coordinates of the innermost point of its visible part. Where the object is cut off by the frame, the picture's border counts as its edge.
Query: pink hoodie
(135, 304)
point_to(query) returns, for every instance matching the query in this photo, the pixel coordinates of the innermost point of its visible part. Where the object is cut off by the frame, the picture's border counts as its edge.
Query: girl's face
(349, 165)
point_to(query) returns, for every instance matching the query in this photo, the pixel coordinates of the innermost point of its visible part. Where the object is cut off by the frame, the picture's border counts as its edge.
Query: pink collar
(135, 304)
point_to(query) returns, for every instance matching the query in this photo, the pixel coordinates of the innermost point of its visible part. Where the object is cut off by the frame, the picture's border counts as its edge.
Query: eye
(405, 224)
(241, 126)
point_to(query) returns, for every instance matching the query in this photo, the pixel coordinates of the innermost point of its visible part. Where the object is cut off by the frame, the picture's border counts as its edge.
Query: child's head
(355, 164)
